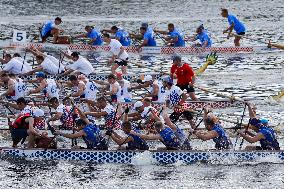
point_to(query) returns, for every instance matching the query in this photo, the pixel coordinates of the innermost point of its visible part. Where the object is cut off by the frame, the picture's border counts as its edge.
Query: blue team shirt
(94, 34)
(149, 36)
(203, 36)
(47, 28)
(239, 27)
(123, 37)
(180, 42)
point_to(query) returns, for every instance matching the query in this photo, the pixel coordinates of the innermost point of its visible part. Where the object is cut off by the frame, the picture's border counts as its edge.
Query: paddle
(232, 97)
(239, 126)
(279, 95)
(279, 46)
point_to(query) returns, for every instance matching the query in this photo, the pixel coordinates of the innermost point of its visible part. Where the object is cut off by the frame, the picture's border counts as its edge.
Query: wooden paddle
(231, 97)
(211, 59)
(279, 46)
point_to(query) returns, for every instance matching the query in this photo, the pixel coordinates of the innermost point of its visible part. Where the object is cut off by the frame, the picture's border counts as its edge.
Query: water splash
(144, 158)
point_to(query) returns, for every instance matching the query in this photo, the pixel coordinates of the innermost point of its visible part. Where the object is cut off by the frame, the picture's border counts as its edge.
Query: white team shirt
(55, 61)
(174, 95)
(20, 88)
(49, 67)
(118, 93)
(115, 46)
(51, 89)
(162, 92)
(82, 65)
(91, 90)
(125, 94)
(15, 65)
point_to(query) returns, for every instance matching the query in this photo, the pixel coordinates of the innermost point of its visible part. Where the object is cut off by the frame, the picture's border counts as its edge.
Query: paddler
(203, 37)
(169, 134)
(148, 38)
(119, 34)
(264, 134)
(175, 37)
(214, 131)
(119, 54)
(48, 87)
(90, 133)
(93, 35)
(51, 29)
(14, 64)
(16, 87)
(234, 24)
(23, 127)
(133, 141)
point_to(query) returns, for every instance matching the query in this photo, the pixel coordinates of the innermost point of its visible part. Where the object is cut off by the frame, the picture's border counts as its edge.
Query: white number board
(19, 36)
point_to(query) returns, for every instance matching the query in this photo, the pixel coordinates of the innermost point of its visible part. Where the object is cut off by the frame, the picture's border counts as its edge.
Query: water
(255, 76)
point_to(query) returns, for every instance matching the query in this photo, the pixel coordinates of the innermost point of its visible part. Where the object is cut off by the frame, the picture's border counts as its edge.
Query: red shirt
(184, 74)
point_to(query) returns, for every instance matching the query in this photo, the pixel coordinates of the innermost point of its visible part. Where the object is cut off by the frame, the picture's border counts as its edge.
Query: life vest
(20, 123)
(137, 144)
(67, 118)
(170, 140)
(222, 141)
(94, 139)
(270, 142)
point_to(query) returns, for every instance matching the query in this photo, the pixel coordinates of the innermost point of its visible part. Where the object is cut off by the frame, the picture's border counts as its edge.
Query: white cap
(38, 113)
(148, 78)
(138, 104)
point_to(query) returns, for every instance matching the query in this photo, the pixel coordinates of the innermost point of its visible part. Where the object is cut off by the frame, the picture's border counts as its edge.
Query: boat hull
(127, 157)
(149, 50)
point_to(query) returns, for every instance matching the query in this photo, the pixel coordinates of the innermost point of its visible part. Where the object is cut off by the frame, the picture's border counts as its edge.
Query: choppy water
(255, 76)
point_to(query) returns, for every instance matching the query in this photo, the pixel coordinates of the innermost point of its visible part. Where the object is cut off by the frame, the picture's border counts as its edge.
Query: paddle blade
(277, 46)
(279, 95)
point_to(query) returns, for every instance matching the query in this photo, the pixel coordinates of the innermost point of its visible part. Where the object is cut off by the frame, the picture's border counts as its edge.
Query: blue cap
(264, 121)
(168, 79)
(40, 74)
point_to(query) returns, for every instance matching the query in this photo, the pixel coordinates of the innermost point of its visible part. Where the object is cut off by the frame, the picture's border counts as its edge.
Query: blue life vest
(180, 42)
(222, 141)
(270, 142)
(94, 34)
(185, 143)
(170, 140)
(47, 28)
(137, 144)
(123, 37)
(94, 139)
(203, 36)
(150, 39)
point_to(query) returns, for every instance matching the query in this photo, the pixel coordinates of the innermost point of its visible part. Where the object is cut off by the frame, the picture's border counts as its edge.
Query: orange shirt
(184, 74)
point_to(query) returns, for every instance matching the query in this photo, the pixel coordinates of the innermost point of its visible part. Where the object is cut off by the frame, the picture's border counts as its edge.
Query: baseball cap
(138, 104)
(264, 121)
(38, 113)
(168, 79)
(201, 27)
(40, 74)
(148, 78)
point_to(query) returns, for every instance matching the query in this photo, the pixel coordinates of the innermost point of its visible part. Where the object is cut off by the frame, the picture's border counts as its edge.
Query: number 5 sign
(19, 36)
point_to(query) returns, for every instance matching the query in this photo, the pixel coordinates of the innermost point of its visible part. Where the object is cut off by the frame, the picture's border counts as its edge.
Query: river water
(256, 76)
